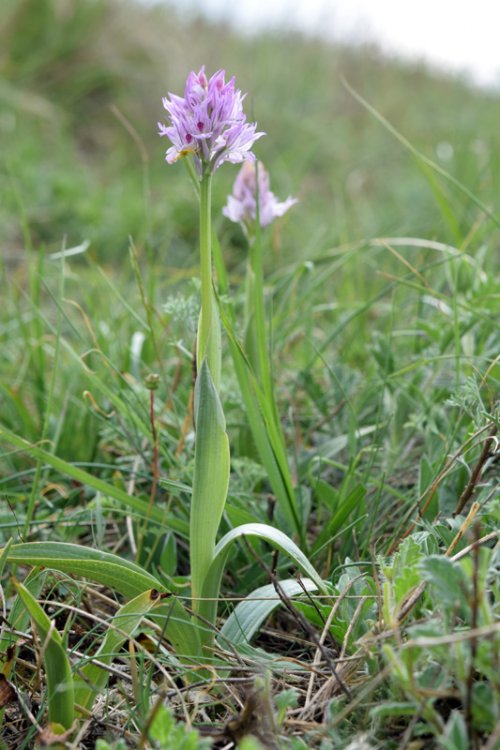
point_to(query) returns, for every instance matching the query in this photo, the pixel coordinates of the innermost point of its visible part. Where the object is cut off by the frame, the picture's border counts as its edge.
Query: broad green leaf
(121, 576)
(406, 574)
(485, 704)
(327, 494)
(250, 743)
(275, 537)
(123, 626)
(109, 490)
(102, 567)
(60, 689)
(332, 447)
(248, 616)
(211, 477)
(17, 620)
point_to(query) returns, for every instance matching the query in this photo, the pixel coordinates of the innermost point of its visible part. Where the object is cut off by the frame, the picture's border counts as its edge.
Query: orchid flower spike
(241, 206)
(209, 123)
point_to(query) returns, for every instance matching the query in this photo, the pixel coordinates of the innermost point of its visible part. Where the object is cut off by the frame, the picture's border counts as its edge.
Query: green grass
(383, 295)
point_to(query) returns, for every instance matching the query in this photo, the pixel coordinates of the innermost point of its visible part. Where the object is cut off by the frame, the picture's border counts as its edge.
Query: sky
(454, 35)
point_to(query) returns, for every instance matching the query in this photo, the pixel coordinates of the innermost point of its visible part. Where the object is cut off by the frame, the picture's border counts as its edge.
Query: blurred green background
(81, 83)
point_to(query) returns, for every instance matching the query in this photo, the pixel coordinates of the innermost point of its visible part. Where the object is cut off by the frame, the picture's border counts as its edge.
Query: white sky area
(457, 35)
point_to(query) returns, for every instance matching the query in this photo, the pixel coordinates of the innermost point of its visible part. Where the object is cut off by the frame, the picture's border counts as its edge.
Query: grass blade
(267, 434)
(109, 490)
(120, 575)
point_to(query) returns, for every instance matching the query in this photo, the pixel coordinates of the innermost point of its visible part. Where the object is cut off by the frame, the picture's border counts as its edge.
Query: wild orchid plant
(208, 127)
(208, 124)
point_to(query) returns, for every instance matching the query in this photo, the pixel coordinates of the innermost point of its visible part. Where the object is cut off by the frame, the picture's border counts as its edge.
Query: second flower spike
(241, 206)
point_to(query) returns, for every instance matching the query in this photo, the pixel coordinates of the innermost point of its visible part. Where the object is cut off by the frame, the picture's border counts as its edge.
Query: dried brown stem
(487, 451)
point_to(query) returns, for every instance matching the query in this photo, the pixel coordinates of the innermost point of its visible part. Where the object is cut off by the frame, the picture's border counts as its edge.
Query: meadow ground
(382, 301)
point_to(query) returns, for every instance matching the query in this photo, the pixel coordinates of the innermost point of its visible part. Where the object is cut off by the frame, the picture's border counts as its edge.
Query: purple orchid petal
(209, 122)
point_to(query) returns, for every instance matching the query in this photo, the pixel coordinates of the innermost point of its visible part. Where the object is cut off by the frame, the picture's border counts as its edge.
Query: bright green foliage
(438, 655)
(401, 577)
(250, 743)
(208, 339)
(266, 432)
(449, 584)
(213, 578)
(82, 476)
(258, 389)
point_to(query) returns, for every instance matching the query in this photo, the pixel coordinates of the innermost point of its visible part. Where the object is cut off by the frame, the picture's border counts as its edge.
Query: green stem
(208, 345)
(205, 266)
(259, 356)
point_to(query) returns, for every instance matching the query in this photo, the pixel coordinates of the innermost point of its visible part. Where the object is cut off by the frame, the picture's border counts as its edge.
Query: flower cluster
(241, 206)
(209, 123)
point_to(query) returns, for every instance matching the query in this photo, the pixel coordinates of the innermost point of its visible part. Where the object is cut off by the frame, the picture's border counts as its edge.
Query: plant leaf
(102, 567)
(211, 477)
(248, 615)
(277, 538)
(124, 625)
(60, 689)
(120, 575)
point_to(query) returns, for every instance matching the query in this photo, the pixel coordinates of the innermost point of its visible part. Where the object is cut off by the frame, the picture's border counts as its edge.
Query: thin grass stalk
(48, 397)
(255, 304)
